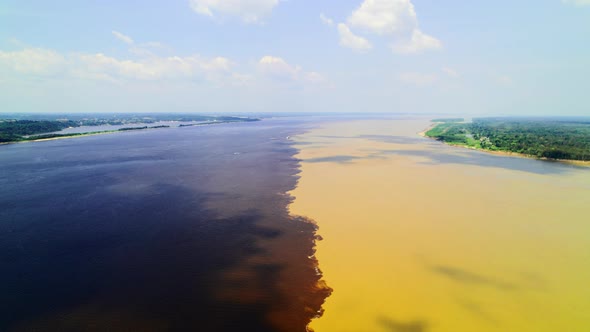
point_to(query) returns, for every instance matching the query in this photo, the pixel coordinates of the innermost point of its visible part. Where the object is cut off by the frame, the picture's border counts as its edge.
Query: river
(176, 229)
(419, 236)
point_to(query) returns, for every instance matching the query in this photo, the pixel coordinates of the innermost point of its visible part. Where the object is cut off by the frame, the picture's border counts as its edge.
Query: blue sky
(413, 56)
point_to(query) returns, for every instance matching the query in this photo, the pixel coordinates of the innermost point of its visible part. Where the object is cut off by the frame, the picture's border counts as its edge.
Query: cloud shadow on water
(401, 326)
(438, 153)
(482, 159)
(470, 278)
(341, 159)
(478, 311)
(333, 159)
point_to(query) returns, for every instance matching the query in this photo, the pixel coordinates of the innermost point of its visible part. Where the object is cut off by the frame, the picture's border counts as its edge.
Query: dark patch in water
(467, 277)
(399, 326)
(340, 159)
(478, 311)
(156, 231)
(333, 159)
(455, 155)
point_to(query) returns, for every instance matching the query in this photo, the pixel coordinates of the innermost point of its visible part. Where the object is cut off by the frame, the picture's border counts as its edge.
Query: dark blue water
(180, 229)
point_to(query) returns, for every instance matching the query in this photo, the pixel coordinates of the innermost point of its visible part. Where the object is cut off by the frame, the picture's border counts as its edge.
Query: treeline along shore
(14, 130)
(543, 138)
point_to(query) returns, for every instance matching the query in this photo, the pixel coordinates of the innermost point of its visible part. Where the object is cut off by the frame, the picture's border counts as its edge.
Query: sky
(502, 57)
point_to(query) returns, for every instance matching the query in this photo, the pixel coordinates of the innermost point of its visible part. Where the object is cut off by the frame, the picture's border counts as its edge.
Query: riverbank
(21, 128)
(460, 134)
(61, 137)
(125, 129)
(519, 155)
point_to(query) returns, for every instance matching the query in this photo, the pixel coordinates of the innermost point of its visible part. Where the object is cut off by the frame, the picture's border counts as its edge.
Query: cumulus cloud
(395, 20)
(577, 2)
(450, 72)
(33, 61)
(250, 11)
(122, 37)
(419, 42)
(314, 77)
(326, 20)
(37, 62)
(47, 64)
(153, 68)
(384, 17)
(139, 49)
(277, 69)
(350, 40)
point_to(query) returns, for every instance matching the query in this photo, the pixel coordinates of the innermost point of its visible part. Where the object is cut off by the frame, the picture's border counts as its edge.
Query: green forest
(15, 130)
(550, 138)
(33, 127)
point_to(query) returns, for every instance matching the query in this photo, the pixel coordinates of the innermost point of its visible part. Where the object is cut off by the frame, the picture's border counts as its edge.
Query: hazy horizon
(265, 114)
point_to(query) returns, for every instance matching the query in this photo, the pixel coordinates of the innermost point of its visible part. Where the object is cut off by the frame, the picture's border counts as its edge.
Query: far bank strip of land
(554, 139)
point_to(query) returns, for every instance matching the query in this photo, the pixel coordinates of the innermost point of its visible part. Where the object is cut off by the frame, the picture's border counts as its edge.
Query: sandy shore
(423, 132)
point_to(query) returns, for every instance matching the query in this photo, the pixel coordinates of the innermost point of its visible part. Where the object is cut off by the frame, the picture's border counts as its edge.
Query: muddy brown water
(423, 237)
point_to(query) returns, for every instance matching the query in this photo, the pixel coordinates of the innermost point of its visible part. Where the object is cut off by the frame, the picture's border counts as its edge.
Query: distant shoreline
(66, 136)
(60, 137)
(121, 130)
(503, 153)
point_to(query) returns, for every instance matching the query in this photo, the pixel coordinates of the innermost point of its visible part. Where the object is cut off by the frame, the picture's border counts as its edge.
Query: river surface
(419, 236)
(190, 229)
(176, 229)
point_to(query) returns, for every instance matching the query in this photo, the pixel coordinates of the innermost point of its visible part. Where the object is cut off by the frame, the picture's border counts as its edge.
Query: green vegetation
(29, 127)
(50, 136)
(101, 119)
(11, 129)
(133, 128)
(550, 138)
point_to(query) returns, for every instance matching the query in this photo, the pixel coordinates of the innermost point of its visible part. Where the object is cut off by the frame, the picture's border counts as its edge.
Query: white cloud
(49, 65)
(154, 44)
(278, 69)
(350, 40)
(419, 79)
(122, 37)
(139, 49)
(395, 20)
(384, 17)
(154, 68)
(577, 2)
(450, 72)
(419, 42)
(36, 62)
(326, 20)
(32, 61)
(314, 77)
(250, 11)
